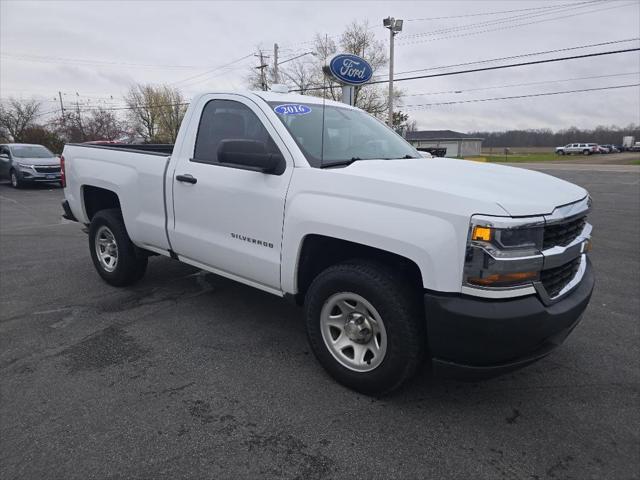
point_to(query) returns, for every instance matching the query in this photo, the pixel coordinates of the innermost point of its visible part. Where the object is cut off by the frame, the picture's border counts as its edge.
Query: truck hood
(517, 191)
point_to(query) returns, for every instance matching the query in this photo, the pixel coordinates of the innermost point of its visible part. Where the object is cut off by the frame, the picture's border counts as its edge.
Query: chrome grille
(562, 233)
(47, 168)
(555, 279)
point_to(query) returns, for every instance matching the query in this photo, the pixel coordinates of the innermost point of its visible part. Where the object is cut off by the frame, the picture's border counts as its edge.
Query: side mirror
(250, 155)
(4, 156)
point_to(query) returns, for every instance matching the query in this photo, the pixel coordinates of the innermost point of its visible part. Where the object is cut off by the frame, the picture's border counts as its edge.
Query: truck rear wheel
(118, 261)
(365, 326)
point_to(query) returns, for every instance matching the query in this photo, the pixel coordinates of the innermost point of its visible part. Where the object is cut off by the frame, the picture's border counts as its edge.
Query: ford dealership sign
(350, 69)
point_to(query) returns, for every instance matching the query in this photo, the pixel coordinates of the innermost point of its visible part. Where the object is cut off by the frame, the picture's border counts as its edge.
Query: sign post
(348, 92)
(351, 71)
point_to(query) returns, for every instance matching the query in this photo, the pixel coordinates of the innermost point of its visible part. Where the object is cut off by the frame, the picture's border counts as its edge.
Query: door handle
(187, 178)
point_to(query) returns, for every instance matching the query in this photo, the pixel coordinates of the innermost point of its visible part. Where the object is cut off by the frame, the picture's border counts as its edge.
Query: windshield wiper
(341, 163)
(406, 157)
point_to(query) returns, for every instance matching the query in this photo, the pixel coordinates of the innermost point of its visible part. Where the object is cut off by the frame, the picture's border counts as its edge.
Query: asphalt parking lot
(188, 375)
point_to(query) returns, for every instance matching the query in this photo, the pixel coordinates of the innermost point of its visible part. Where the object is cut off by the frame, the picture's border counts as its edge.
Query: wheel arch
(317, 252)
(95, 199)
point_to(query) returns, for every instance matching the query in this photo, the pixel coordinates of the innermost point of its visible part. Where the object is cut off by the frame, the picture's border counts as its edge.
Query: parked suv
(28, 163)
(582, 148)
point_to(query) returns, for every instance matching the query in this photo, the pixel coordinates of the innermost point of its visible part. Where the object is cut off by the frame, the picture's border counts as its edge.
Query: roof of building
(440, 135)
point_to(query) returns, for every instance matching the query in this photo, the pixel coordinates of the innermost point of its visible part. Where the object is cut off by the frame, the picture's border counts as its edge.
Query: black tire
(399, 307)
(131, 261)
(560, 152)
(14, 179)
(586, 152)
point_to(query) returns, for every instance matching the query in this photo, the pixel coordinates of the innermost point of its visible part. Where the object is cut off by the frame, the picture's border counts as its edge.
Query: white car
(477, 268)
(579, 148)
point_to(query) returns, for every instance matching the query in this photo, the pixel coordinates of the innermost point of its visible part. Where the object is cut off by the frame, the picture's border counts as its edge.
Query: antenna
(324, 101)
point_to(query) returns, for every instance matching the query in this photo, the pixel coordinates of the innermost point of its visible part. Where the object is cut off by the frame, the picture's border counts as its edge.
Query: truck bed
(134, 173)
(161, 149)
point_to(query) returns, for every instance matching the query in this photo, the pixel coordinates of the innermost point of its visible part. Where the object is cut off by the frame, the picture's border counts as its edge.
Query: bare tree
(307, 75)
(144, 114)
(17, 116)
(156, 112)
(102, 124)
(86, 126)
(301, 75)
(171, 113)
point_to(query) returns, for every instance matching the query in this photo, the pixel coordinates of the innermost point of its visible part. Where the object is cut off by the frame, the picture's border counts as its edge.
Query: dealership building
(457, 144)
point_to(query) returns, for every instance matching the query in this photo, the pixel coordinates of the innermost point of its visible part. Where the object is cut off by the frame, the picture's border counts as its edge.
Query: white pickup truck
(397, 259)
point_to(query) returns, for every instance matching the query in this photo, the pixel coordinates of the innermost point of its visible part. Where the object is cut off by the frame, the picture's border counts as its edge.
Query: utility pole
(61, 107)
(261, 67)
(276, 78)
(394, 26)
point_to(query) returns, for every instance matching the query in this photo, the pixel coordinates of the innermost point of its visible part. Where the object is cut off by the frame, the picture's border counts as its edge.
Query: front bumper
(474, 337)
(30, 175)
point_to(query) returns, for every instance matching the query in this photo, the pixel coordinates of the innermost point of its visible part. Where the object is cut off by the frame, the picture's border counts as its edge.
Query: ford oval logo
(350, 69)
(292, 109)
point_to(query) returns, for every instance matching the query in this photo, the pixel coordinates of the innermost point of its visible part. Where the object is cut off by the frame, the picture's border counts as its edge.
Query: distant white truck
(578, 148)
(480, 268)
(628, 142)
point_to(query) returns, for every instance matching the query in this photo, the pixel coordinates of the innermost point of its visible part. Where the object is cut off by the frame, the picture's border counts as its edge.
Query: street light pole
(394, 27)
(391, 37)
(276, 78)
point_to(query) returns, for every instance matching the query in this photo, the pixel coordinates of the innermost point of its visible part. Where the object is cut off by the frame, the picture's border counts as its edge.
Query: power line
(521, 84)
(79, 61)
(477, 100)
(496, 21)
(487, 13)
(495, 67)
(512, 26)
(524, 55)
(212, 70)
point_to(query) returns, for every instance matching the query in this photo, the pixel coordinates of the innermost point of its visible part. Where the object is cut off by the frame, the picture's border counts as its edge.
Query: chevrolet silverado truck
(399, 260)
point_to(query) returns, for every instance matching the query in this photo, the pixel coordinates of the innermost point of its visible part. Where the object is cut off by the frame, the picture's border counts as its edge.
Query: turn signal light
(503, 279)
(481, 233)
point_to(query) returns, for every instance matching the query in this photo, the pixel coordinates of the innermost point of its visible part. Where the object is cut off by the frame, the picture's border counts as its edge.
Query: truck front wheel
(365, 326)
(118, 261)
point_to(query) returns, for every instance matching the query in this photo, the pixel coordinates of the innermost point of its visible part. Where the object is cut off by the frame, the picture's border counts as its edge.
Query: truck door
(228, 219)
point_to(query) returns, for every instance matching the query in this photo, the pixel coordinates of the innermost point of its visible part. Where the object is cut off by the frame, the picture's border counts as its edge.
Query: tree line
(548, 138)
(152, 114)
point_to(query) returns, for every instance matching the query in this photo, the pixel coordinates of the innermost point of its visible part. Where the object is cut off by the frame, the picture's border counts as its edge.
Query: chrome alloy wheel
(106, 249)
(353, 331)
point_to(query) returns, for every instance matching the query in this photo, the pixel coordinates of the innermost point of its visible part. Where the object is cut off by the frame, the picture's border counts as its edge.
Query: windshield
(31, 151)
(349, 135)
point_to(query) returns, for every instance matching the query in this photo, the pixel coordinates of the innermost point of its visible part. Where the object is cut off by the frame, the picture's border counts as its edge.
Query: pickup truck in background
(579, 148)
(398, 259)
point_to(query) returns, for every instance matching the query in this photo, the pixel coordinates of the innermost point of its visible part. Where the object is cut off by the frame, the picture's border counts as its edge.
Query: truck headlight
(25, 165)
(522, 238)
(503, 255)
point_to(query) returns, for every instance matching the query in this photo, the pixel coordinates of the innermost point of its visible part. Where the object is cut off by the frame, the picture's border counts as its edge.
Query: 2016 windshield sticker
(292, 109)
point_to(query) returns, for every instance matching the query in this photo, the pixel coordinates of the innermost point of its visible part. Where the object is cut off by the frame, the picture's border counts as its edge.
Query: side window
(228, 120)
